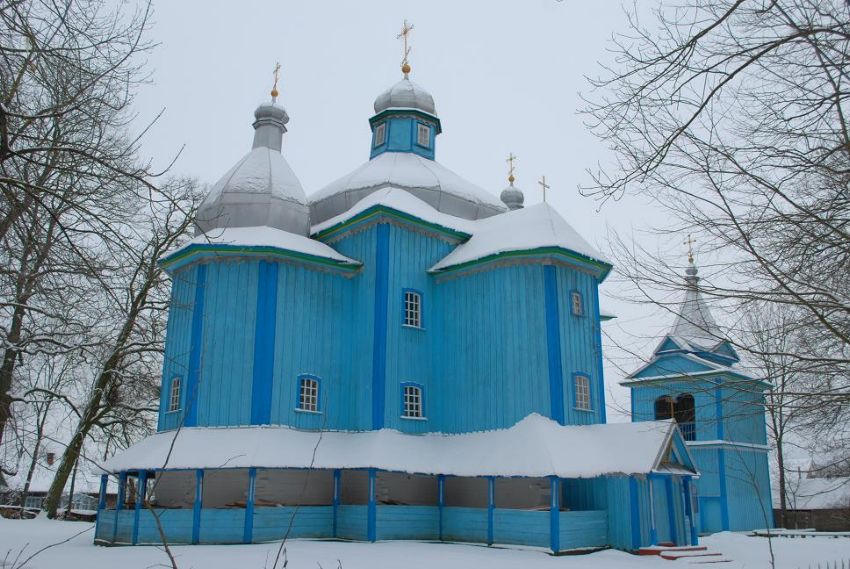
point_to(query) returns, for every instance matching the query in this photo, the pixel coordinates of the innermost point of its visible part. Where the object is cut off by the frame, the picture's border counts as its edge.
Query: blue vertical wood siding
(265, 326)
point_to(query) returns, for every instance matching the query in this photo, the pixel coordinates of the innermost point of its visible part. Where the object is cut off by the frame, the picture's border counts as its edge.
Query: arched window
(686, 416)
(664, 408)
(682, 410)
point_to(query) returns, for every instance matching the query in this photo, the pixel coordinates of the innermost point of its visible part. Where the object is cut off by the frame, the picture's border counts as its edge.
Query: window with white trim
(575, 301)
(412, 402)
(423, 135)
(380, 134)
(308, 394)
(582, 390)
(174, 395)
(412, 309)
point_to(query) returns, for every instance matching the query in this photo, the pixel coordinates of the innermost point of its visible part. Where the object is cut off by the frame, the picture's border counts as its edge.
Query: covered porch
(496, 497)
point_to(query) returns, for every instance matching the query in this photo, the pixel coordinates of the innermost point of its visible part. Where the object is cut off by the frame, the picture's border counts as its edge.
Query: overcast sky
(505, 77)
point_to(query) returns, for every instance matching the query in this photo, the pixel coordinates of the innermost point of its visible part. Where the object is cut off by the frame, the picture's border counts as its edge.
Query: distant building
(694, 378)
(817, 498)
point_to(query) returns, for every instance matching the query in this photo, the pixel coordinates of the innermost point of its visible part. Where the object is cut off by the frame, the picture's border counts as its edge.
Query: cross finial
(690, 243)
(544, 185)
(510, 161)
(403, 35)
(275, 92)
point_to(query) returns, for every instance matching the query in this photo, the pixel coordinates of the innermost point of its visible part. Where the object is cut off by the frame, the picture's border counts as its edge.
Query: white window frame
(583, 397)
(423, 135)
(413, 403)
(308, 394)
(576, 303)
(174, 393)
(412, 309)
(380, 134)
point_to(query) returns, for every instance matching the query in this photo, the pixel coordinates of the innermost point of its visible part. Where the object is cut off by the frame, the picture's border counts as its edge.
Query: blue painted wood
(104, 531)
(597, 347)
(248, 530)
(671, 509)
(466, 524)
(197, 506)
(124, 523)
(441, 501)
(101, 501)
(352, 522)
(222, 525)
(724, 499)
(583, 529)
(274, 523)
(261, 391)
(554, 515)
(553, 342)
(178, 343)
(139, 505)
(176, 525)
(689, 510)
(635, 512)
(337, 480)
(372, 508)
(491, 506)
(401, 136)
(522, 527)
(119, 503)
(653, 519)
(193, 379)
(408, 522)
(379, 348)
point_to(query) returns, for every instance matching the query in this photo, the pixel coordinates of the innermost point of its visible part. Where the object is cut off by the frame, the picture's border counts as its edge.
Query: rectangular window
(412, 309)
(423, 135)
(577, 307)
(412, 402)
(380, 134)
(308, 394)
(582, 387)
(174, 395)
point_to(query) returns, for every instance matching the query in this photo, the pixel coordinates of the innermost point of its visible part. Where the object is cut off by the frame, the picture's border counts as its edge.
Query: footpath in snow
(20, 539)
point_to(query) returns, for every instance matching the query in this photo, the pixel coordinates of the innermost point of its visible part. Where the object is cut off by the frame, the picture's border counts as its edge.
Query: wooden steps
(693, 554)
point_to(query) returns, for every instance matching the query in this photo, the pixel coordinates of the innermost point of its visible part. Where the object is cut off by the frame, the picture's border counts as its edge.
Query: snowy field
(20, 539)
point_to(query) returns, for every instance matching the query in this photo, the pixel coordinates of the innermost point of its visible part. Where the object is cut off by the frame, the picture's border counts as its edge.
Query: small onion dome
(512, 197)
(406, 95)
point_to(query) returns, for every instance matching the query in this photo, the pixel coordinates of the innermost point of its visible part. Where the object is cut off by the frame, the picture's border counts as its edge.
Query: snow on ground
(19, 539)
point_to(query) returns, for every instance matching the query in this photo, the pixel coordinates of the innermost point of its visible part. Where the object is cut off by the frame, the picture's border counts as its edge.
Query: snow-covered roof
(694, 325)
(816, 493)
(534, 447)
(261, 189)
(256, 237)
(406, 95)
(529, 228)
(403, 201)
(427, 179)
(709, 366)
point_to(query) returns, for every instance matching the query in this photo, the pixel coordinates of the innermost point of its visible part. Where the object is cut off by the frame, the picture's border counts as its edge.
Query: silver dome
(406, 95)
(261, 189)
(512, 197)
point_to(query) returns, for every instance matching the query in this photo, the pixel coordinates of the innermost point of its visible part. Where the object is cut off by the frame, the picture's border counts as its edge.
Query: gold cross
(405, 32)
(275, 92)
(690, 243)
(510, 162)
(544, 185)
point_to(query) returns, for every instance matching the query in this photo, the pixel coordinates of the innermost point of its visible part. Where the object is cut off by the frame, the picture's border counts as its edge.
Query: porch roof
(534, 447)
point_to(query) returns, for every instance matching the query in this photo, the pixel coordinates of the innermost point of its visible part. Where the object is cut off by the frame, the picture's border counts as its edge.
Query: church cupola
(405, 117)
(512, 196)
(261, 190)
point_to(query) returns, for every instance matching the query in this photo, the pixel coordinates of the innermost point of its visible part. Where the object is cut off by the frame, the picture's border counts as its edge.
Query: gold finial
(275, 92)
(544, 185)
(510, 162)
(405, 32)
(690, 243)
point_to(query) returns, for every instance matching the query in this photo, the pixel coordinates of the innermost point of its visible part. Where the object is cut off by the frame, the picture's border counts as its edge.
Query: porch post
(491, 505)
(635, 511)
(142, 480)
(101, 502)
(671, 509)
(555, 514)
(371, 530)
(197, 506)
(248, 531)
(119, 502)
(441, 499)
(653, 529)
(689, 508)
(337, 474)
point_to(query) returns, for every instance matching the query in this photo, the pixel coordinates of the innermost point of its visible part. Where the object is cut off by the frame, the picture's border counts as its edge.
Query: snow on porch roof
(534, 447)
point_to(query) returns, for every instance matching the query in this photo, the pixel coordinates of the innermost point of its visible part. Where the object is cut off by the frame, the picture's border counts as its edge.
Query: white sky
(505, 77)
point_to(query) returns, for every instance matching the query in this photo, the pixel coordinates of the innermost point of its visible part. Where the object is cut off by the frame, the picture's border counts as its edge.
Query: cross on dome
(403, 35)
(275, 92)
(544, 185)
(510, 161)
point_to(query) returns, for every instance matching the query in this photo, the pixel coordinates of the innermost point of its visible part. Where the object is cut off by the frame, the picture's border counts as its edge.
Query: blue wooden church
(399, 356)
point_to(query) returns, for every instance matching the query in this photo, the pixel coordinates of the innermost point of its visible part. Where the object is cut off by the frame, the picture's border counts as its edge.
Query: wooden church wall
(743, 413)
(705, 404)
(492, 363)
(177, 348)
(747, 471)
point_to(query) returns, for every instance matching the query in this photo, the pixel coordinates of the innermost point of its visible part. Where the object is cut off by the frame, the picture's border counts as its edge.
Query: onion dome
(512, 197)
(261, 190)
(406, 95)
